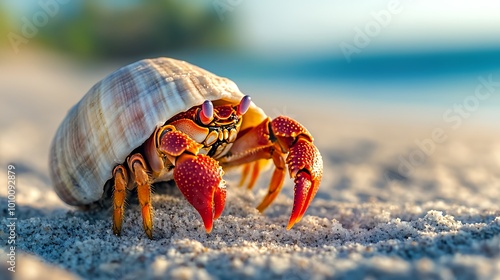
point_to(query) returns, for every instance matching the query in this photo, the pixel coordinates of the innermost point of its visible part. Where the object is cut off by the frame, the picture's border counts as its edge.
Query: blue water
(436, 79)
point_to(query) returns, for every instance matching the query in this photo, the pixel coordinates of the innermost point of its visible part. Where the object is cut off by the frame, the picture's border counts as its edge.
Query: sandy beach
(397, 201)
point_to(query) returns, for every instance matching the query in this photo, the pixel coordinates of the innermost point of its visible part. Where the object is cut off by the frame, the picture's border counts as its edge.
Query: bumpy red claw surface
(306, 166)
(199, 178)
(304, 163)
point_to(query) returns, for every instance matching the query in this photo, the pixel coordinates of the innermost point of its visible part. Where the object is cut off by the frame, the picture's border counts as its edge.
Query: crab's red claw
(306, 167)
(199, 178)
(302, 189)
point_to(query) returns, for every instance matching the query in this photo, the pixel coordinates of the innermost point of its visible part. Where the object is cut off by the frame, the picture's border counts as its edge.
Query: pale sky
(321, 25)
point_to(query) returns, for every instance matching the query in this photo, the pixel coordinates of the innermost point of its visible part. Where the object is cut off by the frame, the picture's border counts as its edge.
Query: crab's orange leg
(119, 193)
(138, 167)
(257, 168)
(255, 175)
(276, 181)
(245, 171)
(254, 169)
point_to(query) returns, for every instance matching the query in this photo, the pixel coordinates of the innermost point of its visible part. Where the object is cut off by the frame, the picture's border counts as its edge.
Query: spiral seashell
(120, 113)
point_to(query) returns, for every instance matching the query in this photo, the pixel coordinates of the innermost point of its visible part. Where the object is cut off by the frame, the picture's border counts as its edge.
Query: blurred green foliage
(98, 29)
(4, 27)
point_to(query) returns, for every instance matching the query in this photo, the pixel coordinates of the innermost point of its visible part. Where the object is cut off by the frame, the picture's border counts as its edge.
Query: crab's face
(216, 127)
(223, 123)
(224, 116)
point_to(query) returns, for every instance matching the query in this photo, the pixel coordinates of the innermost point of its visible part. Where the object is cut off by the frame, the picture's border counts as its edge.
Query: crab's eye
(206, 113)
(244, 105)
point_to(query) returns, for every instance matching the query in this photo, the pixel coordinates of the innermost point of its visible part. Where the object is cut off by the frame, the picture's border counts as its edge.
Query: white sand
(442, 221)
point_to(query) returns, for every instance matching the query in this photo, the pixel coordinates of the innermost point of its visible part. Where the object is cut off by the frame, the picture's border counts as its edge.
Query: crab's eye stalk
(244, 105)
(207, 112)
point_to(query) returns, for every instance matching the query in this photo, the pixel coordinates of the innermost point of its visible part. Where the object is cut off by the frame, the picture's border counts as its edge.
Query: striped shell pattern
(121, 112)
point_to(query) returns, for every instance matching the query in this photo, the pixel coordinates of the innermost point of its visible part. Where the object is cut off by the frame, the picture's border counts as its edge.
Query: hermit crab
(162, 119)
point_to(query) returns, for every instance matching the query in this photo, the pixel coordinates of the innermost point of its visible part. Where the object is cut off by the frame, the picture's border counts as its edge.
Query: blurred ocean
(422, 85)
